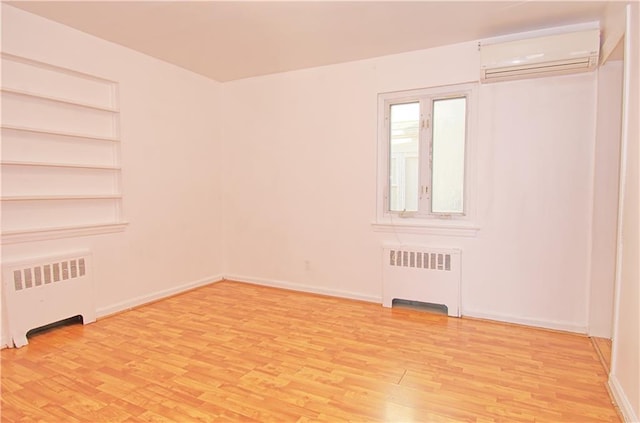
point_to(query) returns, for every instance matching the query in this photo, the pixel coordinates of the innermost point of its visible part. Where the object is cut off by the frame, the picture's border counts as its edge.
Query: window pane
(411, 180)
(403, 156)
(449, 133)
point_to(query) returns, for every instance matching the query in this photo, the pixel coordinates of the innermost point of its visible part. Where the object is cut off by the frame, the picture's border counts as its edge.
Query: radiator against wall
(422, 274)
(41, 291)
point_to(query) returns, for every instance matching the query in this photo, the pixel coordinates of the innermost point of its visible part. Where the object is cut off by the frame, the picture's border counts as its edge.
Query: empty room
(320, 211)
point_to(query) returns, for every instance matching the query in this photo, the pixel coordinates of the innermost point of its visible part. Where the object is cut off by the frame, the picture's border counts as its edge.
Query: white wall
(296, 188)
(301, 190)
(278, 173)
(535, 198)
(301, 170)
(605, 199)
(625, 367)
(170, 131)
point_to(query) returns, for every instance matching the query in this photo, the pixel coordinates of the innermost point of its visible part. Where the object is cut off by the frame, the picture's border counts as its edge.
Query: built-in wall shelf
(61, 173)
(24, 93)
(58, 133)
(62, 165)
(41, 234)
(60, 197)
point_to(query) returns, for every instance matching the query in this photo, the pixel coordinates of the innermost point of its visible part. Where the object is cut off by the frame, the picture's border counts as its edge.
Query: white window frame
(424, 221)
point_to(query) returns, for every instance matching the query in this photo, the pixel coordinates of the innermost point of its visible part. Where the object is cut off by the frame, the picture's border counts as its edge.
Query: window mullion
(387, 161)
(425, 156)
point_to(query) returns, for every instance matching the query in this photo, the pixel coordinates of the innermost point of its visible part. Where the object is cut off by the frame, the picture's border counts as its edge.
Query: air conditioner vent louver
(544, 56)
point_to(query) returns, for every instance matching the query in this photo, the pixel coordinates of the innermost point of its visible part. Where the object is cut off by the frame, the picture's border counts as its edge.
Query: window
(424, 148)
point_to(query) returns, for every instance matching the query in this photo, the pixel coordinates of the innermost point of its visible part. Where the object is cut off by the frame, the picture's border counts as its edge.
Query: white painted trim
(465, 230)
(304, 288)
(24, 93)
(545, 324)
(144, 299)
(432, 224)
(64, 165)
(622, 401)
(28, 235)
(50, 66)
(59, 133)
(591, 205)
(5, 338)
(56, 197)
(624, 139)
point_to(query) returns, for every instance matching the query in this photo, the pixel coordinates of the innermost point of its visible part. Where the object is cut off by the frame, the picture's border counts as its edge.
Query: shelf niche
(60, 164)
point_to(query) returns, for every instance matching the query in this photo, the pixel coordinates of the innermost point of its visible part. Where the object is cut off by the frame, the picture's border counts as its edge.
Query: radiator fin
(35, 276)
(420, 260)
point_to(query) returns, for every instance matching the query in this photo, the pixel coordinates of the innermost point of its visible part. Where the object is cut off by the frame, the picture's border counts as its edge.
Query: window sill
(445, 228)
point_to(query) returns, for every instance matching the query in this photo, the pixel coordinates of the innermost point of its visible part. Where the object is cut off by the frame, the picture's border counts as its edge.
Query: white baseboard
(546, 324)
(622, 401)
(144, 299)
(304, 288)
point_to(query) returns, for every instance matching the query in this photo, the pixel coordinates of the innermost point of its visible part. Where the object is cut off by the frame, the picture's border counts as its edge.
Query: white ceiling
(227, 40)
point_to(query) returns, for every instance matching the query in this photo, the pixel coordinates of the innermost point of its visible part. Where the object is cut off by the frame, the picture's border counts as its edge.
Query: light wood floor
(603, 349)
(238, 352)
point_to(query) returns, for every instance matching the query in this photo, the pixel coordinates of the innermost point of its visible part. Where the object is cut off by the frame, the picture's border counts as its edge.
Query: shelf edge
(58, 133)
(63, 165)
(24, 93)
(42, 234)
(61, 197)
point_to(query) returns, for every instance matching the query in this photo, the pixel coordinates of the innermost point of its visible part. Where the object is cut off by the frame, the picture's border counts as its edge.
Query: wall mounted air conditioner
(543, 56)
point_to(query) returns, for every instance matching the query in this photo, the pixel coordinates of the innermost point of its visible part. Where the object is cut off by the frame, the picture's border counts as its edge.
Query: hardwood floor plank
(240, 352)
(603, 349)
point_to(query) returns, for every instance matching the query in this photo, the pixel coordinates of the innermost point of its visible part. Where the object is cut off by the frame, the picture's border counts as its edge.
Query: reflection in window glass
(404, 165)
(449, 134)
